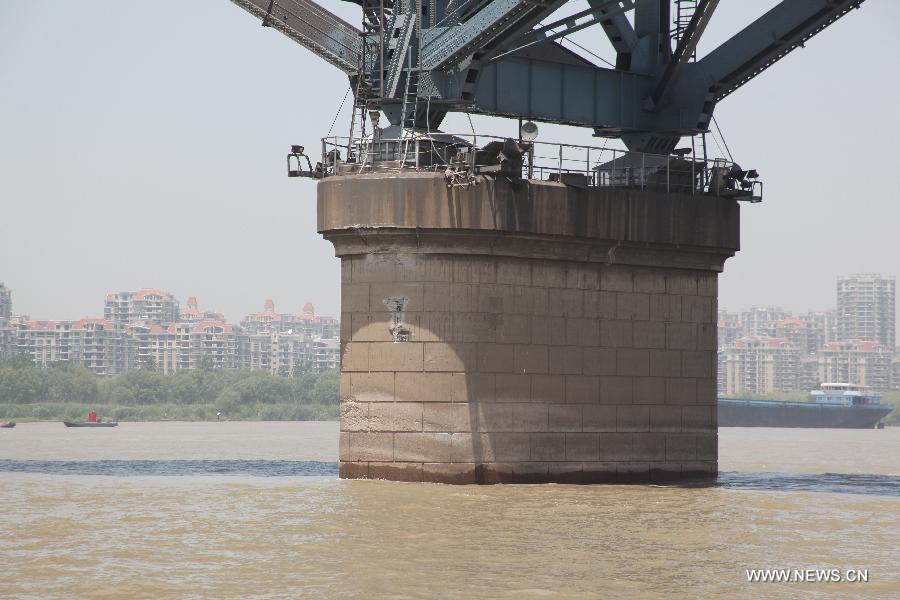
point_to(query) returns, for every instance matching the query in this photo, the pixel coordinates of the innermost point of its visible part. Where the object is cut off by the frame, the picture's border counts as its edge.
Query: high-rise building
(6, 334)
(760, 321)
(861, 363)
(866, 308)
(754, 365)
(96, 344)
(152, 307)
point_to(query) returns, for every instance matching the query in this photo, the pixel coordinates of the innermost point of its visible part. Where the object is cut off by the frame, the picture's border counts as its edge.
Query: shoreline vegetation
(66, 392)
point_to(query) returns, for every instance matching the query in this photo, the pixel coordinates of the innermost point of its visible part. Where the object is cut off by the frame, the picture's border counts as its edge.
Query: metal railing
(464, 157)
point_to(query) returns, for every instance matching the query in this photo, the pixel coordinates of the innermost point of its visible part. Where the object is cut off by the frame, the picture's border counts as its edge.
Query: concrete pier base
(526, 333)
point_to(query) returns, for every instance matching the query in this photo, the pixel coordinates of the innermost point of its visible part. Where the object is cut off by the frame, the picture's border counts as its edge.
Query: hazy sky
(142, 145)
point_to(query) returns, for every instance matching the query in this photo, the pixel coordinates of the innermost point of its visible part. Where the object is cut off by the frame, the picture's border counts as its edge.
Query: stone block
(598, 472)
(474, 269)
(649, 334)
(457, 474)
(548, 274)
(344, 446)
(479, 387)
(373, 268)
(495, 358)
(698, 470)
(565, 472)
(372, 387)
(633, 362)
(681, 446)
(354, 416)
(708, 285)
(530, 359)
(512, 447)
(548, 389)
(565, 360)
(431, 387)
(633, 307)
(665, 363)
(617, 279)
(529, 417)
(649, 281)
(598, 361)
(616, 390)
(632, 472)
(548, 331)
(538, 300)
(697, 309)
(683, 283)
(395, 416)
(665, 309)
(344, 389)
(494, 473)
(409, 472)
(422, 447)
(436, 297)
(424, 268)
(707, 336)
(430, 326)
(633, 418)
(354, 357)
(600, 305)
(474, 327)
(495, 417)
(665, 471)
(707, 446)
(371, 446)
(463, 299)
(514, 272)
(583, 277)
(681, 391)
(371, 327)
(492, 298)
(649, 446)
(462, 448)
(396, 356)
(582, 446)
(564, 417)
(649, 390)
(530, 472)
(565, 303)
(697, 419)
(582, 389)
(513, 329)
(681, 336)
(707, 393)
(616, 334)
(353, 470)
(457, 357)
(615, 446)
(598, 418)
(696, 363)
(382, 294)
(512, 388)
(665, 418)
(548, 446)
(354, 297)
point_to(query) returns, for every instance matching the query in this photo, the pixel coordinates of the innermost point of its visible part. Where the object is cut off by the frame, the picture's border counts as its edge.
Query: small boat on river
(8, 425)
(92, 421)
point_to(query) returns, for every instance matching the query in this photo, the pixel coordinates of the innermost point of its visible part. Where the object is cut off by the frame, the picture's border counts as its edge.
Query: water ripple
(125, 468)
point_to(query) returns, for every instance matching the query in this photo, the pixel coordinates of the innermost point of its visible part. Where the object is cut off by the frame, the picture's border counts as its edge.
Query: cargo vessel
(833, 405)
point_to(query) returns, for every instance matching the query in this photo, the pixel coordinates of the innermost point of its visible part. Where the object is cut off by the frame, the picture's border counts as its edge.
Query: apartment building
(866, 308)
(758, 365)
(154, 307)
(6, 332)
(96, 344)
(860, 362)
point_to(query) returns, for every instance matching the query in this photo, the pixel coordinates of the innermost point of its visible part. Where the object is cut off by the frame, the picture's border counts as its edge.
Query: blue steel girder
(494, 57)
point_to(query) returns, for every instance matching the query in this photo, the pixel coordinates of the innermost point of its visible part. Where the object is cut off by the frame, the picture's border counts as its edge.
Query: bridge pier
(526, 332)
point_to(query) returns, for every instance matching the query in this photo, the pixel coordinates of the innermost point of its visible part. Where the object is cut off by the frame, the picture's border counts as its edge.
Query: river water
(255, 510)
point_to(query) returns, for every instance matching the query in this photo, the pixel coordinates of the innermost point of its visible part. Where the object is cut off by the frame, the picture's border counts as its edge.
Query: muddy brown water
(255, 510)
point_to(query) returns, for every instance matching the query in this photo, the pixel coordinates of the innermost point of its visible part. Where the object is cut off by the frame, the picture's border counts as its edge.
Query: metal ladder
(410, 107)
(684, 12)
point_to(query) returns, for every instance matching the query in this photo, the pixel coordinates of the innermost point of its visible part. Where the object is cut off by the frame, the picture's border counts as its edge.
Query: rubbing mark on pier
(396, 305)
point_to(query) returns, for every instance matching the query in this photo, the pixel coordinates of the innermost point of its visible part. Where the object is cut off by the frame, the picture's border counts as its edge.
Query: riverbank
(25, 413)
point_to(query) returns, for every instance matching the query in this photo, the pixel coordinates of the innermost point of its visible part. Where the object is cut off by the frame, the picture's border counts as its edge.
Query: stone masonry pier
(526, 332)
